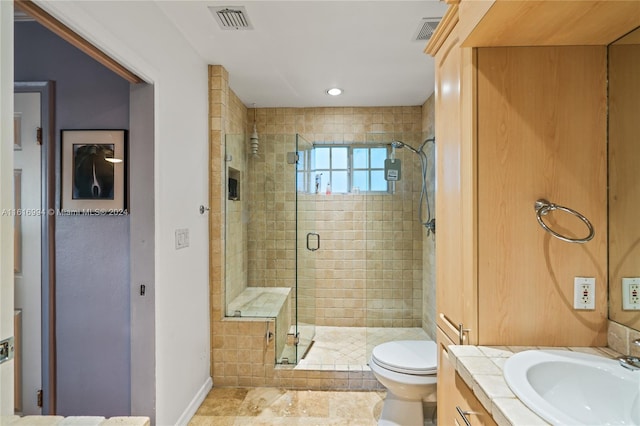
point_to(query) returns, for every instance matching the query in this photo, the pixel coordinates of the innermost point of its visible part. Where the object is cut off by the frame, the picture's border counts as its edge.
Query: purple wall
(92, 252)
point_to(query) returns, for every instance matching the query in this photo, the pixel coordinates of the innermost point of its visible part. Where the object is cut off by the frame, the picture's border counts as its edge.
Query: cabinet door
(470, 407)
(542, 133)
(455, 399)
(446, 382)
(455, 193)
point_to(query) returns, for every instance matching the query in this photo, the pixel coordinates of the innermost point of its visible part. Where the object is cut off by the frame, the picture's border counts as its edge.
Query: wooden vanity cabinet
(455, 398)
(456, 276)
(521, 110)
(515, 124)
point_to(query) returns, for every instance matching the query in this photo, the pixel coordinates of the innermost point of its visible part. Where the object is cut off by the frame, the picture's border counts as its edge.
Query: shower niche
(233, 184)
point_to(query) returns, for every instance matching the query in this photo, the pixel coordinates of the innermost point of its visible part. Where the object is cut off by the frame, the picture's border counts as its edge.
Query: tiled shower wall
(369, 270)
(240, 356)
(236, 210)
(428, 240)
(236, 225)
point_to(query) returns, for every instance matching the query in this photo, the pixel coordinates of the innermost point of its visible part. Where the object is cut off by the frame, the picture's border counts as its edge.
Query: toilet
(407, 368)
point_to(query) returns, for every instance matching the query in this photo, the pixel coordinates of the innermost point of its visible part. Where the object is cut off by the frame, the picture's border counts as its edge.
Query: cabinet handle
(461, 332)
(463, 414)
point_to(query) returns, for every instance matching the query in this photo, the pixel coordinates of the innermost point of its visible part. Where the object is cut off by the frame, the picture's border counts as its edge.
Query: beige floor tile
(299, 404)
(258, 400)
(275, 406)
(355, 405)
(223, 402)
(347, 346)
(212, 420)
(300, 421)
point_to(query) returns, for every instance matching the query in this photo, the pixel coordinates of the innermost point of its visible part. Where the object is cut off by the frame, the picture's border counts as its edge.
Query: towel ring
(543, 207)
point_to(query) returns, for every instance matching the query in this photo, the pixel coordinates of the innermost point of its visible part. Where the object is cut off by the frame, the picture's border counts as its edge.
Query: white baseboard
(195, 403)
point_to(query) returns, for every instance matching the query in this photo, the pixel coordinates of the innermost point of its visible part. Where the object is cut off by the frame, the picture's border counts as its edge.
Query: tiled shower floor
(348, 348)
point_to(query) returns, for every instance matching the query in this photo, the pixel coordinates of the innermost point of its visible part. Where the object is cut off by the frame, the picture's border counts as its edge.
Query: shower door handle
(309, 241)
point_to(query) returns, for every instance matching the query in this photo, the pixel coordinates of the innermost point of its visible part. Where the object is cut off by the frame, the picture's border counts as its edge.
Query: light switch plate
(182, 238)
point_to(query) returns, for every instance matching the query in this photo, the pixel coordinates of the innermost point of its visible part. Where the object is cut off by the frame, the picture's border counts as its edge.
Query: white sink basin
(571, 388)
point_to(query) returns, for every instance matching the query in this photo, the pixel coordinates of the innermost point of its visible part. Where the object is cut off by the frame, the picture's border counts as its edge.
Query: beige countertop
(481, 369)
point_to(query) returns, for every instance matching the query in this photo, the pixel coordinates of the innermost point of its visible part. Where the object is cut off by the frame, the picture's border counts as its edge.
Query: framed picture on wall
(93, 171)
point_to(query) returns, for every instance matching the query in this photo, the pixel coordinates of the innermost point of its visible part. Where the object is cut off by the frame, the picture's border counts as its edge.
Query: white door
(6, 200)
(27, 252)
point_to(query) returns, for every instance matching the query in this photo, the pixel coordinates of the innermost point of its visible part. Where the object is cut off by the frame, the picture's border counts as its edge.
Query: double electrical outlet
(584, 293)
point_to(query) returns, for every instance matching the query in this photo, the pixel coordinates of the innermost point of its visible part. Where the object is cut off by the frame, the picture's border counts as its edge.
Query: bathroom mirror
(624, 179)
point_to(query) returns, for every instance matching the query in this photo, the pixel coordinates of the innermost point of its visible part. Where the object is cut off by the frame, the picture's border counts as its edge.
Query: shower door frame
(306, 250)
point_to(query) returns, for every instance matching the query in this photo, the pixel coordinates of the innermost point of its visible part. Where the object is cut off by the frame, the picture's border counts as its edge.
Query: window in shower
(346, 168)
(331, 167)
(368, 169)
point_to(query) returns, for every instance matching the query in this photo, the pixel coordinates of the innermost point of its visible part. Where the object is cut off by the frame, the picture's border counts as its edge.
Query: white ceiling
(299, 49)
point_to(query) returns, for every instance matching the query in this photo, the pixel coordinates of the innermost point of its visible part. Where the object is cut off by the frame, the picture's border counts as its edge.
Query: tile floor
(273, 406)
(335, 349)
(346, 348)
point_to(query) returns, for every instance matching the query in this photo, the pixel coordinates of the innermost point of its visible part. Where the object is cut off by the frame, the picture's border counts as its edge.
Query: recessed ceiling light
(334, 91)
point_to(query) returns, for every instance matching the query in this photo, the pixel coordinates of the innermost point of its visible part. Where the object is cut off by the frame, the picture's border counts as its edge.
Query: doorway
(22, 61)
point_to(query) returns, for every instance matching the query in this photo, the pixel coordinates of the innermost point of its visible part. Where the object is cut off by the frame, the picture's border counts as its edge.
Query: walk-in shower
(318, 239)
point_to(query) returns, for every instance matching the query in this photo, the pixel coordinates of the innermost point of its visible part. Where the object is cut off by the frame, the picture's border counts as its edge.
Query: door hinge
(292, 157)
(39, 135)
(293, 339)
(39, 397)
(6, 350)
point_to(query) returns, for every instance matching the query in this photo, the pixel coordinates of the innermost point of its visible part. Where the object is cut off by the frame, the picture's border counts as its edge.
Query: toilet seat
(416, 357)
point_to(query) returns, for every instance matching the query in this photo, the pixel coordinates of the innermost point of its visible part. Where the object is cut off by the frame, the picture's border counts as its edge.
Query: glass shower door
(308, 246)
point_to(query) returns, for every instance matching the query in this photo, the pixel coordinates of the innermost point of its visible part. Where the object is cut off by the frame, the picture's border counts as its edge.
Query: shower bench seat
(259, 302)
(265, 302)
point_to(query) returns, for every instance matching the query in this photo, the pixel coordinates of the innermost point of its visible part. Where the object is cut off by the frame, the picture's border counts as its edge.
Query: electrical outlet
(584, 293)
(631, 294)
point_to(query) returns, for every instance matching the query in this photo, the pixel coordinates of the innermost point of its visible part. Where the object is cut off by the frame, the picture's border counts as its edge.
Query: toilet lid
(418, 357)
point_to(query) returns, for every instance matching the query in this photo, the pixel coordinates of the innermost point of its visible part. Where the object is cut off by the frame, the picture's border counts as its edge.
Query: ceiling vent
(232, 18)
(426, 28)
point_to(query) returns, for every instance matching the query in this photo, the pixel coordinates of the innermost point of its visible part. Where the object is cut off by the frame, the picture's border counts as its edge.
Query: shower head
(398, 144)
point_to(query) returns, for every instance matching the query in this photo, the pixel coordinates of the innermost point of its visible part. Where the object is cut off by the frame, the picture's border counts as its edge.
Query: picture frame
(93, 171)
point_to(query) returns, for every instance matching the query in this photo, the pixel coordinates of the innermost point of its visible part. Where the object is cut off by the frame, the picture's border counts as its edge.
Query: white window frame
(308, 175)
